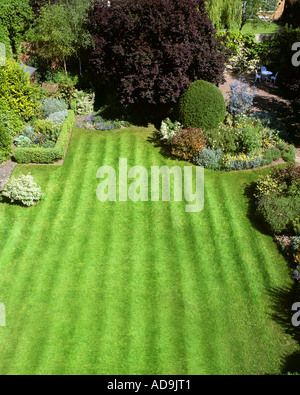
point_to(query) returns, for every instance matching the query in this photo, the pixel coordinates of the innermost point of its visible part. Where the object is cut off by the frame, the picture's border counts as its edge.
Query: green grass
(259, 28)
(136, 288)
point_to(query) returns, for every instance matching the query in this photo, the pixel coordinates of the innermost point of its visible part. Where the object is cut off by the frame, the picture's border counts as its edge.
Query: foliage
(10, 119)
(278, 203)
(52, 105)
(289, 153)
(271, 154)
(202, 106)
(244, 49)
(58, 117)
(15, 88)
(28, 131)
(22, 141)
(52, 33)
(279, 212)
(169, 129)
(225, 138)
(23, 190)
(15, 17)
(241, 97)
(4, 39)
(268, 185)
(48, 155)
(224, 14)
(84, 102)
(251, 9)
(45, 128)
(5, 143)
(241, 161)
(177, 46)
(209, 158)
(187, 143)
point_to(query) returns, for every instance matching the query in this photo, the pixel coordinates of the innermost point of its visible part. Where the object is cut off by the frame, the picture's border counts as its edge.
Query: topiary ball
(201, 106)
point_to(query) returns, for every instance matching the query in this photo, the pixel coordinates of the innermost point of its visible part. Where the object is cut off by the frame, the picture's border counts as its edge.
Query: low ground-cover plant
(97, 122)
(23, 190)
(209, 158)
(52, 105)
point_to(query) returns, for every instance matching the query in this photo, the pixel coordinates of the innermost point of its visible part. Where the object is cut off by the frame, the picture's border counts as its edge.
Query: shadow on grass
(164, 149)
(256, 222)
(282, 300)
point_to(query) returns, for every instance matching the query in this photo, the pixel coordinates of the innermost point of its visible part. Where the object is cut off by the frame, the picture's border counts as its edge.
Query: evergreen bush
(202, 106)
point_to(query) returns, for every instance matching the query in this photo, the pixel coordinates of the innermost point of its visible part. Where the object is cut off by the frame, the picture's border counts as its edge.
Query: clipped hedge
(48, 155)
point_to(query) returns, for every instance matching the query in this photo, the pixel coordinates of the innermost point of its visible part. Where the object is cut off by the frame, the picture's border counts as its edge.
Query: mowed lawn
(136, 287)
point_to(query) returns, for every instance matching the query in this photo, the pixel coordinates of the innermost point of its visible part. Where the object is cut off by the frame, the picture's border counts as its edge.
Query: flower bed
(48, 155)
(278, 208)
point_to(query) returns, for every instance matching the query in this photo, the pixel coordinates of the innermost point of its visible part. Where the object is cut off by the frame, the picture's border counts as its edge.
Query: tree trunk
(80, 66)
(65, 66)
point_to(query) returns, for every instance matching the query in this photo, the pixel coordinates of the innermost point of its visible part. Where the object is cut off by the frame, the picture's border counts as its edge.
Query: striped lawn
(136, 288)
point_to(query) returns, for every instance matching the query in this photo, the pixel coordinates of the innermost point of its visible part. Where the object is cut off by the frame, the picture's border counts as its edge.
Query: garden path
(269, 98)
(6, 170)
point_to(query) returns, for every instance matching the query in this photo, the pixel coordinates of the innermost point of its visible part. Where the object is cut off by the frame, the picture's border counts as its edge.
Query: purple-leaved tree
(151, 50)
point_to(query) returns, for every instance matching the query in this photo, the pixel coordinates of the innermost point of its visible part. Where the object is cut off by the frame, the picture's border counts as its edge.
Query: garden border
(48, 156)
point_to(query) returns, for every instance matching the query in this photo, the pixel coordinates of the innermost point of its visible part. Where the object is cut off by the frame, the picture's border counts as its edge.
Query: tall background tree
(15, 19)
(291, 14)
(59, 30)
(225, 14)
(150, 51)
(234, 14)
(252, 8)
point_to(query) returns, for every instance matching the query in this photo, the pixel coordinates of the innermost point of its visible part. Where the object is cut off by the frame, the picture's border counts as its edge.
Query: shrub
(5, 143)
(209, 158)
(45, 128)
(272, 154)
(52, 105)
(178, 45)
(245, 51)
(251, 140)
(296, 228)
(225, 138)
(187, 143)
(289, 154)
(267, 185)
(58, 117)
(279, 212)
(38, 139)
(23, 190)
(84, 102)
(168, 129)
(10, 119)
(15, 88)
(202, 106)
(241, 98)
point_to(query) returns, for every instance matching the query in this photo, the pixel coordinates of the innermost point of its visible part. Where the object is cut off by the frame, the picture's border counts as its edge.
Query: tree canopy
(151, 50)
